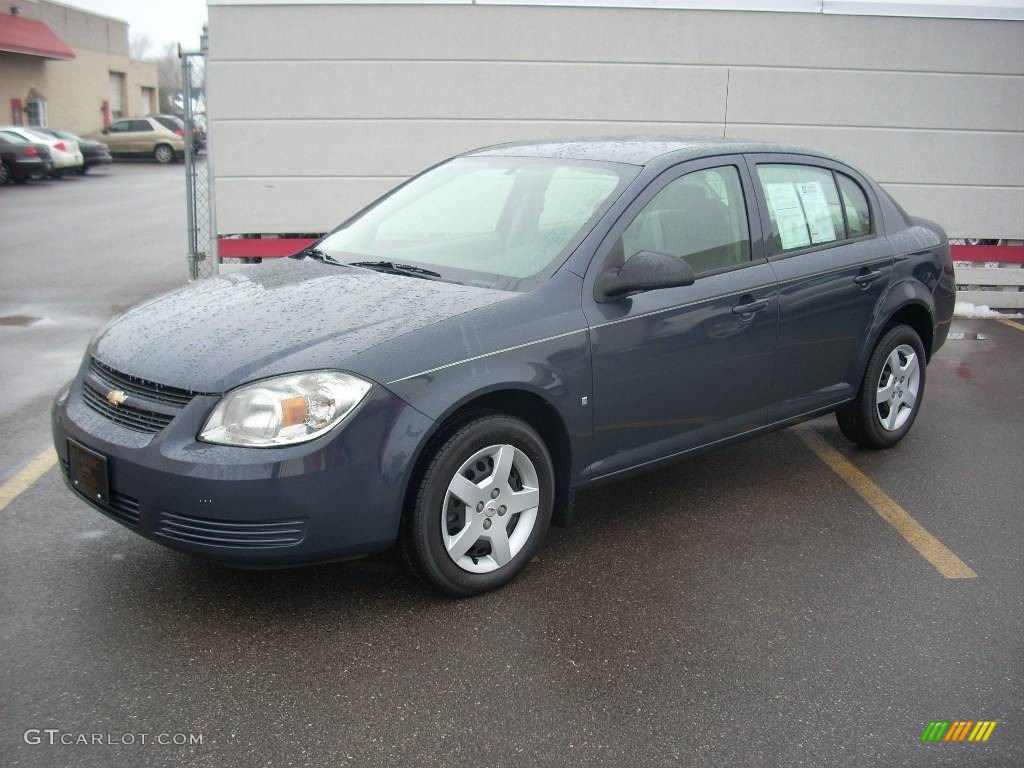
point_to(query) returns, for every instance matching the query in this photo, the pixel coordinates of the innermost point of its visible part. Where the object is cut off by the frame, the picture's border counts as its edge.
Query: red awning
(19, 35)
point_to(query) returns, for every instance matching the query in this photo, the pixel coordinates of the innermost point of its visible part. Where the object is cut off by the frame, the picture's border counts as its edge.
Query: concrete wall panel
(517, 33)
(336, 101)
(337, 89)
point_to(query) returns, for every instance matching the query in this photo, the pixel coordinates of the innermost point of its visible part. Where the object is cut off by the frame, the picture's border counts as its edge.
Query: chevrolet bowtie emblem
(116, 397)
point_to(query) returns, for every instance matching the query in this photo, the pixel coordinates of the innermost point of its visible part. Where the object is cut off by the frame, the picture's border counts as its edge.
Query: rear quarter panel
(922, 276)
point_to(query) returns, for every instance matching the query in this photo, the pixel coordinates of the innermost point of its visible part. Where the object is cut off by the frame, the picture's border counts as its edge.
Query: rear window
(170, 123)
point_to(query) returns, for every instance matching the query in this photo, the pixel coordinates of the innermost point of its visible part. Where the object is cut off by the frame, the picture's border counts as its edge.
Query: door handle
(750, 307)
(866, 278)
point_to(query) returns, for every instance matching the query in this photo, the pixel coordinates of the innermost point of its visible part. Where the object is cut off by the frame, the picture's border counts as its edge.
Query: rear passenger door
(142, 135)
(678, 368)
(833, 269)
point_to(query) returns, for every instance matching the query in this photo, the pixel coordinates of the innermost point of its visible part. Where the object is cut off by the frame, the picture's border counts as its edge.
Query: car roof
(635, 150)
(29, 129)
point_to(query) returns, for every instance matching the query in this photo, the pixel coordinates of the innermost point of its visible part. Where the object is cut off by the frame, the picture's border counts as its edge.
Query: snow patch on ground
(981, 312)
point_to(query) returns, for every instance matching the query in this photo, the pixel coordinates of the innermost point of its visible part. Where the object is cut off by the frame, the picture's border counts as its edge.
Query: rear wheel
(891, 393)
(163, 154)
(481, 508)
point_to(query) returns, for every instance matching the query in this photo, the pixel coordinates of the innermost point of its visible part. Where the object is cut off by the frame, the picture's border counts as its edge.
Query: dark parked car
(449, 365)
(21, 160)
(94, 153)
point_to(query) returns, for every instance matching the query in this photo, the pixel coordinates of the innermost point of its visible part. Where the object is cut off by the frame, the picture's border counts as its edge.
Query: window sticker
(789, 214)
(819, 218)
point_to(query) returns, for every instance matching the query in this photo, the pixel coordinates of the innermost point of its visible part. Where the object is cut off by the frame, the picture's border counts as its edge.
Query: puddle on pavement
(962, 336)
(19, 320)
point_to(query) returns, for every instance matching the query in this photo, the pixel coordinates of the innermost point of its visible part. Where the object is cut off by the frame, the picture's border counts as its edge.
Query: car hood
(293, 315)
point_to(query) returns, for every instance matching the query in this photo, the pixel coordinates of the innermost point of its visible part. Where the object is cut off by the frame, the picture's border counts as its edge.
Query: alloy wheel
(898, 388)
(490, 508)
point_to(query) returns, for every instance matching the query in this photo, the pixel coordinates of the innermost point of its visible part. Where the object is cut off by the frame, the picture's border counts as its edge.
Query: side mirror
(106, 130)
(645, 271)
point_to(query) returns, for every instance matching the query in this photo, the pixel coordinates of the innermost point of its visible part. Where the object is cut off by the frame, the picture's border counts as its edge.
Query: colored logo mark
(958, 730)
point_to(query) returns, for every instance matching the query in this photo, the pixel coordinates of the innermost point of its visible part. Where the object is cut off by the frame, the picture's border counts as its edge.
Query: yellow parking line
(23, 480)
(1012, 324)
(934, 551)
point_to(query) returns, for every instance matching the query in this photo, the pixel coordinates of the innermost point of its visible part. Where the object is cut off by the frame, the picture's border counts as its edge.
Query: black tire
(421, 536)
(163, 154)
(859, 421)
(5, 173)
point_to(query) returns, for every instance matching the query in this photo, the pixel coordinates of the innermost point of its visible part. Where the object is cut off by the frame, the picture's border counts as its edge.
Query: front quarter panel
(540, 345)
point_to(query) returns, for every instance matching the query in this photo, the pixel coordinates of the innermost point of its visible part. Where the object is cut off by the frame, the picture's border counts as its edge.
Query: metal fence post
(203, 259)
(190, 197)
(213, 250)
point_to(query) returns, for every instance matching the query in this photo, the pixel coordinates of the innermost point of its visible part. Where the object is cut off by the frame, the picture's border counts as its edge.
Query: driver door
(118, 137)
(678, 368)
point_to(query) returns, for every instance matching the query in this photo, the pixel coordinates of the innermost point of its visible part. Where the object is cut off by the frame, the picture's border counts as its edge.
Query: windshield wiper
(316, 253)
(397, 269)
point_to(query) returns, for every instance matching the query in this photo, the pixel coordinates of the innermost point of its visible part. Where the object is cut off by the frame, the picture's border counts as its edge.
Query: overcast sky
(163, 21)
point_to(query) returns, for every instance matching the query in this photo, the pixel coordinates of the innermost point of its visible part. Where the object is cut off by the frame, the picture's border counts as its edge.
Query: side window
(855, 203)
(140, 125)
(122, 126)
(803, 206)
(699, 217)
(169, 123)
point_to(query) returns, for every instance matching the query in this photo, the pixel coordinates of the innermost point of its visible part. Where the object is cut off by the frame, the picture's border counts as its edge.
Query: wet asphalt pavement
(744, 608)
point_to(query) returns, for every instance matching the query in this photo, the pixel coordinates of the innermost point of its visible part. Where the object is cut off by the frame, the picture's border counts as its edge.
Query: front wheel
(891, 393)
(481, 508)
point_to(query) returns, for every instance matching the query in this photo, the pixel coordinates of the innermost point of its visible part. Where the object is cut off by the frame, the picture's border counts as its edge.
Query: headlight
(284, 410)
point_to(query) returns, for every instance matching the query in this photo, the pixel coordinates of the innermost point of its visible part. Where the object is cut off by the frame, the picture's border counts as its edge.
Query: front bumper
(98, 159)
(334, 498)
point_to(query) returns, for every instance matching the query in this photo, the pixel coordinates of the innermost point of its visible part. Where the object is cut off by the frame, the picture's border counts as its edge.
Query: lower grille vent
(226, 533)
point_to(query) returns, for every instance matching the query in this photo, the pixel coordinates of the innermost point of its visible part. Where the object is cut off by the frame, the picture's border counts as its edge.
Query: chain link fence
(203, 260)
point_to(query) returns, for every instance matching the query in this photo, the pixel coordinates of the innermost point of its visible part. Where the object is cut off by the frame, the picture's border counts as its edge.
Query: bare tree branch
(139, 45)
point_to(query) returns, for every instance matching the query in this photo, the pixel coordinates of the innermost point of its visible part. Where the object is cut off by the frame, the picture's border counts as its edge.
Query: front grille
(132, 385)
(122, 506)
(225, 533)
(127, 414)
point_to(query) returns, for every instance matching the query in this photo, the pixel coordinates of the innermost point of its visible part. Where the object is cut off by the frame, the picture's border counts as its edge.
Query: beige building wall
(346, 100)
(75, 90)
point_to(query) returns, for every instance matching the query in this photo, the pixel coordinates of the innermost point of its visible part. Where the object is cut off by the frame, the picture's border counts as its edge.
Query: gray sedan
(447, 367)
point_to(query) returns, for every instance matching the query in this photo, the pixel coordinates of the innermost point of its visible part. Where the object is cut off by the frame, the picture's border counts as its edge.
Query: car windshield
(496, 222)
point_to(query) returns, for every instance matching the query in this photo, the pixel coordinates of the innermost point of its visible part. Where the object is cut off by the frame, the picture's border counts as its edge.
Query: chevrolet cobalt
(447, 367)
